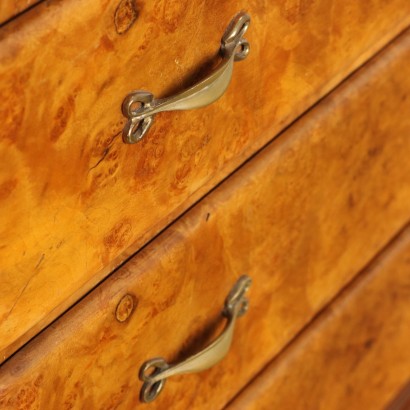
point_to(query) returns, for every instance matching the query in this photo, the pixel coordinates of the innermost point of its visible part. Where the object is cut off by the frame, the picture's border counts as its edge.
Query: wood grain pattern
(75, 200)
(302, 218)
(355, 355)
(10, 8)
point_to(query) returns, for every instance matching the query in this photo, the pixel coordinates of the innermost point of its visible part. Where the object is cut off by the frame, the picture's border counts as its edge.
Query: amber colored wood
(10, 8)
(302, 218)
(76, 201)
(355, 355)
(402, 400)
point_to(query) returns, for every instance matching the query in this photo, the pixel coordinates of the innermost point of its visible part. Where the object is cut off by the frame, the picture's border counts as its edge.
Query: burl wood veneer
(355, 355)
(301, 218)
(76, 201)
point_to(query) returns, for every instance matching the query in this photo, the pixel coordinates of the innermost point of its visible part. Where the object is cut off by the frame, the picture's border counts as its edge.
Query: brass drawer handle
(154, 372)
(140, 107)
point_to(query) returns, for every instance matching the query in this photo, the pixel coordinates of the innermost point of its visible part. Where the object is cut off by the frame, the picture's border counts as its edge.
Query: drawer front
(70, 186)
(301, 218)
(355, 355)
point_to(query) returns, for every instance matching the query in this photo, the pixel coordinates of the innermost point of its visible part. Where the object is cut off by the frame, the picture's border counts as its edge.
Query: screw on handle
(140, 107)
(156, 371)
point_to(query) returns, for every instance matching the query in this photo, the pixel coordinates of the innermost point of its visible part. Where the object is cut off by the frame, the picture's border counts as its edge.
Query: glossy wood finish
(402, 400)
(355, 355)
(75, 200)
(302, 218)
(10, 8)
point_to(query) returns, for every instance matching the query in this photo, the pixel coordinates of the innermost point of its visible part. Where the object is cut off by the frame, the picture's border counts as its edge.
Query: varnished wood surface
(402, 400)
(355, 355)
(10, 8)
(302, 218)
(76, 201)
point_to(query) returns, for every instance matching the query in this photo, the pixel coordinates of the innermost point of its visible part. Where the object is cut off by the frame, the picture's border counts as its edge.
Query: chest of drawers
(115, 253)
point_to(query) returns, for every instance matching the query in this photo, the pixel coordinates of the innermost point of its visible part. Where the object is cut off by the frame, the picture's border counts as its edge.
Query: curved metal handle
(140, 107)
(154, 372)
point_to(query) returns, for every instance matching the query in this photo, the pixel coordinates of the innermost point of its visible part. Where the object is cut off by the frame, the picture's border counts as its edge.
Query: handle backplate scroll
(140, 107)
(154, 372)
